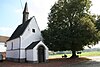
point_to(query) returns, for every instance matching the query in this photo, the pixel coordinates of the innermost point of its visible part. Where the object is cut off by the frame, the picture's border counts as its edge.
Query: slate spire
(25, 13)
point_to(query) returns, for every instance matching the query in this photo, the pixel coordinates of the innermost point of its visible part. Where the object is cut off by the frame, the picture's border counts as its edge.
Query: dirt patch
(52, 63)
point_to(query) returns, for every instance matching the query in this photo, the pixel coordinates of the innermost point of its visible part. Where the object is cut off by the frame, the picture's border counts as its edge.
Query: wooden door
(41, 54)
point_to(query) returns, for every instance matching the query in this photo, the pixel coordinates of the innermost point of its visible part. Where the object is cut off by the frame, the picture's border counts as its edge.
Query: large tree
(70, 26)
(98, 22)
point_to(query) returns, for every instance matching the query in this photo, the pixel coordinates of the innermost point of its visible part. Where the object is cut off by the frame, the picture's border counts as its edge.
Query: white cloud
(95, 9)
(40, 9)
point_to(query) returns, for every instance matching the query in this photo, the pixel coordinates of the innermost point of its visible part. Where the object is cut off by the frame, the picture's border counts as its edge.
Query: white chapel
(26, 42)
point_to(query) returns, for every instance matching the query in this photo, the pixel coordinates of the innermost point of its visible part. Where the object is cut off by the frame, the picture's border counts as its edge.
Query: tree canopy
(71, 26)
(98, 23)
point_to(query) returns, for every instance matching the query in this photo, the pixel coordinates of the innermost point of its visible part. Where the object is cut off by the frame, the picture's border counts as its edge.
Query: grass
(94, 53)
(58, 55)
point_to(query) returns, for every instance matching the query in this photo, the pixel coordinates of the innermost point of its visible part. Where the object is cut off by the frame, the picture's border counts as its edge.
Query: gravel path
(95, 62)
(52, 63)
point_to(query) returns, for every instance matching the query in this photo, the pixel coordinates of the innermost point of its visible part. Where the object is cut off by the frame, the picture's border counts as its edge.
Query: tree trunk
(74, 55)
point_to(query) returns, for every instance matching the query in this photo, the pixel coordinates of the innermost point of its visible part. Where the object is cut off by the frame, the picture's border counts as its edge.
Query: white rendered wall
(9, 45)
(16, 43)
(28, 37)
(29, 55)
(13, 51)
(46, 54)
(22, 53)
(12, 54)
(35, 57)
(15, 54)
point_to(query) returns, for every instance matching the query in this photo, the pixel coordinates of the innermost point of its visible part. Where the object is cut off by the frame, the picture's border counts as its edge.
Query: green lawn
(94, 53)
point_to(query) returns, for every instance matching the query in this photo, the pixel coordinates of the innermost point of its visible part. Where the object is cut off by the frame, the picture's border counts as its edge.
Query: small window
(33, 30)
(12, 46)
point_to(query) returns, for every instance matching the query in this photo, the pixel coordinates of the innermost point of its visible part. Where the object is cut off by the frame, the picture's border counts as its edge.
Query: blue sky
(9, 18)
(11, 13)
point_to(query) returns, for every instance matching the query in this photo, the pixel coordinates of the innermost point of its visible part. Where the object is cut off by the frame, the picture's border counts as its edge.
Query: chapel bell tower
(25, 13)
